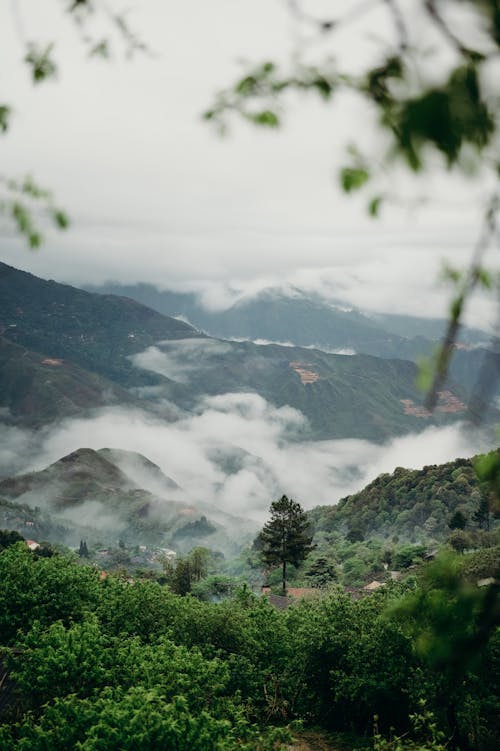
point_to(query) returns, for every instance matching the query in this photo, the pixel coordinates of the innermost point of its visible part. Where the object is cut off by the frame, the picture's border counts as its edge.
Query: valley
(148, 453)
(250, 376)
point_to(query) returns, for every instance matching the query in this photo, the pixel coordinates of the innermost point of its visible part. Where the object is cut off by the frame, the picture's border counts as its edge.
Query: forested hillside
(98, 333)
(415, 505)
(36, 389)
(94, 664)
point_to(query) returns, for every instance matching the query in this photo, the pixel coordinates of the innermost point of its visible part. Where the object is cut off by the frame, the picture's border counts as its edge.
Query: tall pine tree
(285, 538)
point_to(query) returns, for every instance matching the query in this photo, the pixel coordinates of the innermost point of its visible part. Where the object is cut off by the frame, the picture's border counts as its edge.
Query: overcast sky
(156, 196)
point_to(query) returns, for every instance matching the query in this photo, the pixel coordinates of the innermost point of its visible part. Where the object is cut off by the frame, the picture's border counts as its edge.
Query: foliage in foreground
(102, 664)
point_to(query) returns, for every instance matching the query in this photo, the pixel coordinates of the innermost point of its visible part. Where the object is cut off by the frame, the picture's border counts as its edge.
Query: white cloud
(176, 359)
(239, 453)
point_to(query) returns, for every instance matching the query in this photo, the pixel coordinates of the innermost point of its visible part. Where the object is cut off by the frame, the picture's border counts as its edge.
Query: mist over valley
(222, 426)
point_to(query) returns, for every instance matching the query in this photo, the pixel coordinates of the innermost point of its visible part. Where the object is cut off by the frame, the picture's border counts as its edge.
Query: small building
(372, 586)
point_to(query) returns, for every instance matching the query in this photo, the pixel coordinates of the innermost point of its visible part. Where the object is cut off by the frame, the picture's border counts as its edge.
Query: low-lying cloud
(238, 452)
(266, 342)
(177, 359)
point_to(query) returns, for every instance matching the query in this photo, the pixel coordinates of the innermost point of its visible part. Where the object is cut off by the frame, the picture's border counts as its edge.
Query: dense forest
(101, 662)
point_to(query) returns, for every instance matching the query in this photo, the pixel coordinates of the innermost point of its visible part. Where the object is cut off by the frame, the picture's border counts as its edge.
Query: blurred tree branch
(448, 115)
(25, 204)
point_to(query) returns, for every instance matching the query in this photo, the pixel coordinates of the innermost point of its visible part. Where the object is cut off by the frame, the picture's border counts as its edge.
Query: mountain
(96, 332)
(170, 365)
(304, 320)
(35, 389)
(89, 489)
(299, 319)
(414, 505)
(141, 470)
(428, 328)
(356, 396)
(400, 521)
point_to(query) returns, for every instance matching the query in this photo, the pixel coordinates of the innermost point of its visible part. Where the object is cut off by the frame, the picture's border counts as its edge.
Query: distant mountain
(357, 396)
(88, 488)
(414, 505)
(303, 320)
(170, 365)
(429, 328)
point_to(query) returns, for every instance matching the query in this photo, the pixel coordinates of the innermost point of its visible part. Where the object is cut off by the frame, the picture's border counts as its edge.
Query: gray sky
(156, 196)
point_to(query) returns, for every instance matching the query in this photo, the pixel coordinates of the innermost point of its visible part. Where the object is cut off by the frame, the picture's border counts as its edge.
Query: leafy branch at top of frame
(453, 116)
(24, 203)
(40, 58)
(457, 117)
(256, 96)
(448, 118)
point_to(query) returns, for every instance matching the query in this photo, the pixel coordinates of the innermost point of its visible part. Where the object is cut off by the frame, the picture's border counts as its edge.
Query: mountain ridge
(162, 361)
(88, 488)
(303, 320)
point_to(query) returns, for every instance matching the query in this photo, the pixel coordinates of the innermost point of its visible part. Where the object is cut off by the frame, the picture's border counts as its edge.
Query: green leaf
(374, 206)
(446, 118)
(484, 278)
(323, 86)
(101, 49)
(267, 118)
(246, 86)
(456, 308)
(42, 65)
(487, 467)
(24, 221)
(377, 80)
(35, 239)
(353, 178)
(450, 274)
(30, 188)
(4, 117)
(61, 219)
(22, 217)
(425, 375)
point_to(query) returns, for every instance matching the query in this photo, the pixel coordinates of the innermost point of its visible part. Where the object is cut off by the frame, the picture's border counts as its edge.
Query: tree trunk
(284, 579)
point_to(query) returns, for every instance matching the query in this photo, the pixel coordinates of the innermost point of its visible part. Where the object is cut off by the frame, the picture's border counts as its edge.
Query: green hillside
(342, 396)
(358, 396)
(36, 389)
(97, 332)
(415, 505)
(396, 522)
